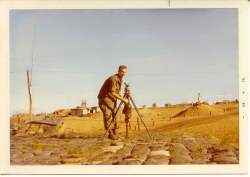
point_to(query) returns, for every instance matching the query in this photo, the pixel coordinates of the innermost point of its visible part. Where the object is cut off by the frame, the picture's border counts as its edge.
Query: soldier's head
(122, 71)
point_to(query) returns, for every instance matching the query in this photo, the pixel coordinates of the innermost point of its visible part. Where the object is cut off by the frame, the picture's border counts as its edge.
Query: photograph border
(6, 168)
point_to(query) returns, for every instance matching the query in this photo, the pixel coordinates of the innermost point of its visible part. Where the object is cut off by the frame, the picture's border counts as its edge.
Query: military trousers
(108, 109)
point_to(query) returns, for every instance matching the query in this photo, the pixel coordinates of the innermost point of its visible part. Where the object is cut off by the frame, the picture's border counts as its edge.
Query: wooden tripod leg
(140, 116)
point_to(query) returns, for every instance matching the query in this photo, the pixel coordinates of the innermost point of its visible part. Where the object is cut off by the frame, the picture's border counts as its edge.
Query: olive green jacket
(112, 84)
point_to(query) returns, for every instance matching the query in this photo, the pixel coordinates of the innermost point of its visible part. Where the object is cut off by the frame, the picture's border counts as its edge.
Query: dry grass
(222, 125)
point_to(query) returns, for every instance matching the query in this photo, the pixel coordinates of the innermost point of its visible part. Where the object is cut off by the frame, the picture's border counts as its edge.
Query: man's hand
(125, 100)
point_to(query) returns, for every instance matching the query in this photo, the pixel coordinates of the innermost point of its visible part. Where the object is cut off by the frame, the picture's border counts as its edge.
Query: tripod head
(126, 89)
(127, 110)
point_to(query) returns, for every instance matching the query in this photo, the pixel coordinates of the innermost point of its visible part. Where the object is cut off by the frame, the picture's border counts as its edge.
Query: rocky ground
(164, 149)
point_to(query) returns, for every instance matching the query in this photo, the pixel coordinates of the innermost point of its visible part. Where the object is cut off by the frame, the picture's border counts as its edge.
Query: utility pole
(29, 92)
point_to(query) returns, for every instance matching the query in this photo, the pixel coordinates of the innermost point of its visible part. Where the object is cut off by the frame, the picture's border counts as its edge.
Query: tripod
(127, 95)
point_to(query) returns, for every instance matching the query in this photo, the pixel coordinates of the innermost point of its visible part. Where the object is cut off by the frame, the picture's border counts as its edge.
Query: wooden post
(29, 76)
(126, 129)
(138, 123)
(29, 91)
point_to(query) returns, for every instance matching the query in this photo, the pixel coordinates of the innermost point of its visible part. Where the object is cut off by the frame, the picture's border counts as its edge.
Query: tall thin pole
(29, 76)
(29, 92)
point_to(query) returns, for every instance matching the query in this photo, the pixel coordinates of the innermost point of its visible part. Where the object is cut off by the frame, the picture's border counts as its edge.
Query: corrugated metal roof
(47, 121)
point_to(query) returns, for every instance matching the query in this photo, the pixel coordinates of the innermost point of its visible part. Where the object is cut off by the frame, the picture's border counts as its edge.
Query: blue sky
(171, 55)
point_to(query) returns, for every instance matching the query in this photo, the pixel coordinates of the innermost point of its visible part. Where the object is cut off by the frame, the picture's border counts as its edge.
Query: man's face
(122, 73)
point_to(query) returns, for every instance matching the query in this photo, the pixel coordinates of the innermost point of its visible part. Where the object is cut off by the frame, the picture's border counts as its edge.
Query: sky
(171, 55)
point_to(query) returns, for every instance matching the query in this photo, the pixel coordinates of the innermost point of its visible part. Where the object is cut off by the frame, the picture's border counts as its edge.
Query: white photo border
(6, 6)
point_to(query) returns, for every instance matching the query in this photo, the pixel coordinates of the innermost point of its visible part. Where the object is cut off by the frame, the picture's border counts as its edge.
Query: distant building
(154, 105)
(94, 109)
(79, 111)
(83, 110)
(144, 106)
(168, 105)
(228, 102)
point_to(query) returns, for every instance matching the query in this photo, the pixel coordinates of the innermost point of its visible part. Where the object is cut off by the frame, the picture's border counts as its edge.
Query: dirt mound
(199, 110)
(62, 111)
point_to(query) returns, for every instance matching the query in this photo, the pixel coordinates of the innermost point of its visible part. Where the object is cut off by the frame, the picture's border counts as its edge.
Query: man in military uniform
(108, 95)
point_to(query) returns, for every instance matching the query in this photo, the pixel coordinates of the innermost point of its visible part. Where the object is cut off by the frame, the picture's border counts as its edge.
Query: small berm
(199, 110)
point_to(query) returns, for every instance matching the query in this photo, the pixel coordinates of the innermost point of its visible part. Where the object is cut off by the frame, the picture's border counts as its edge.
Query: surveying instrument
(127, 111)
